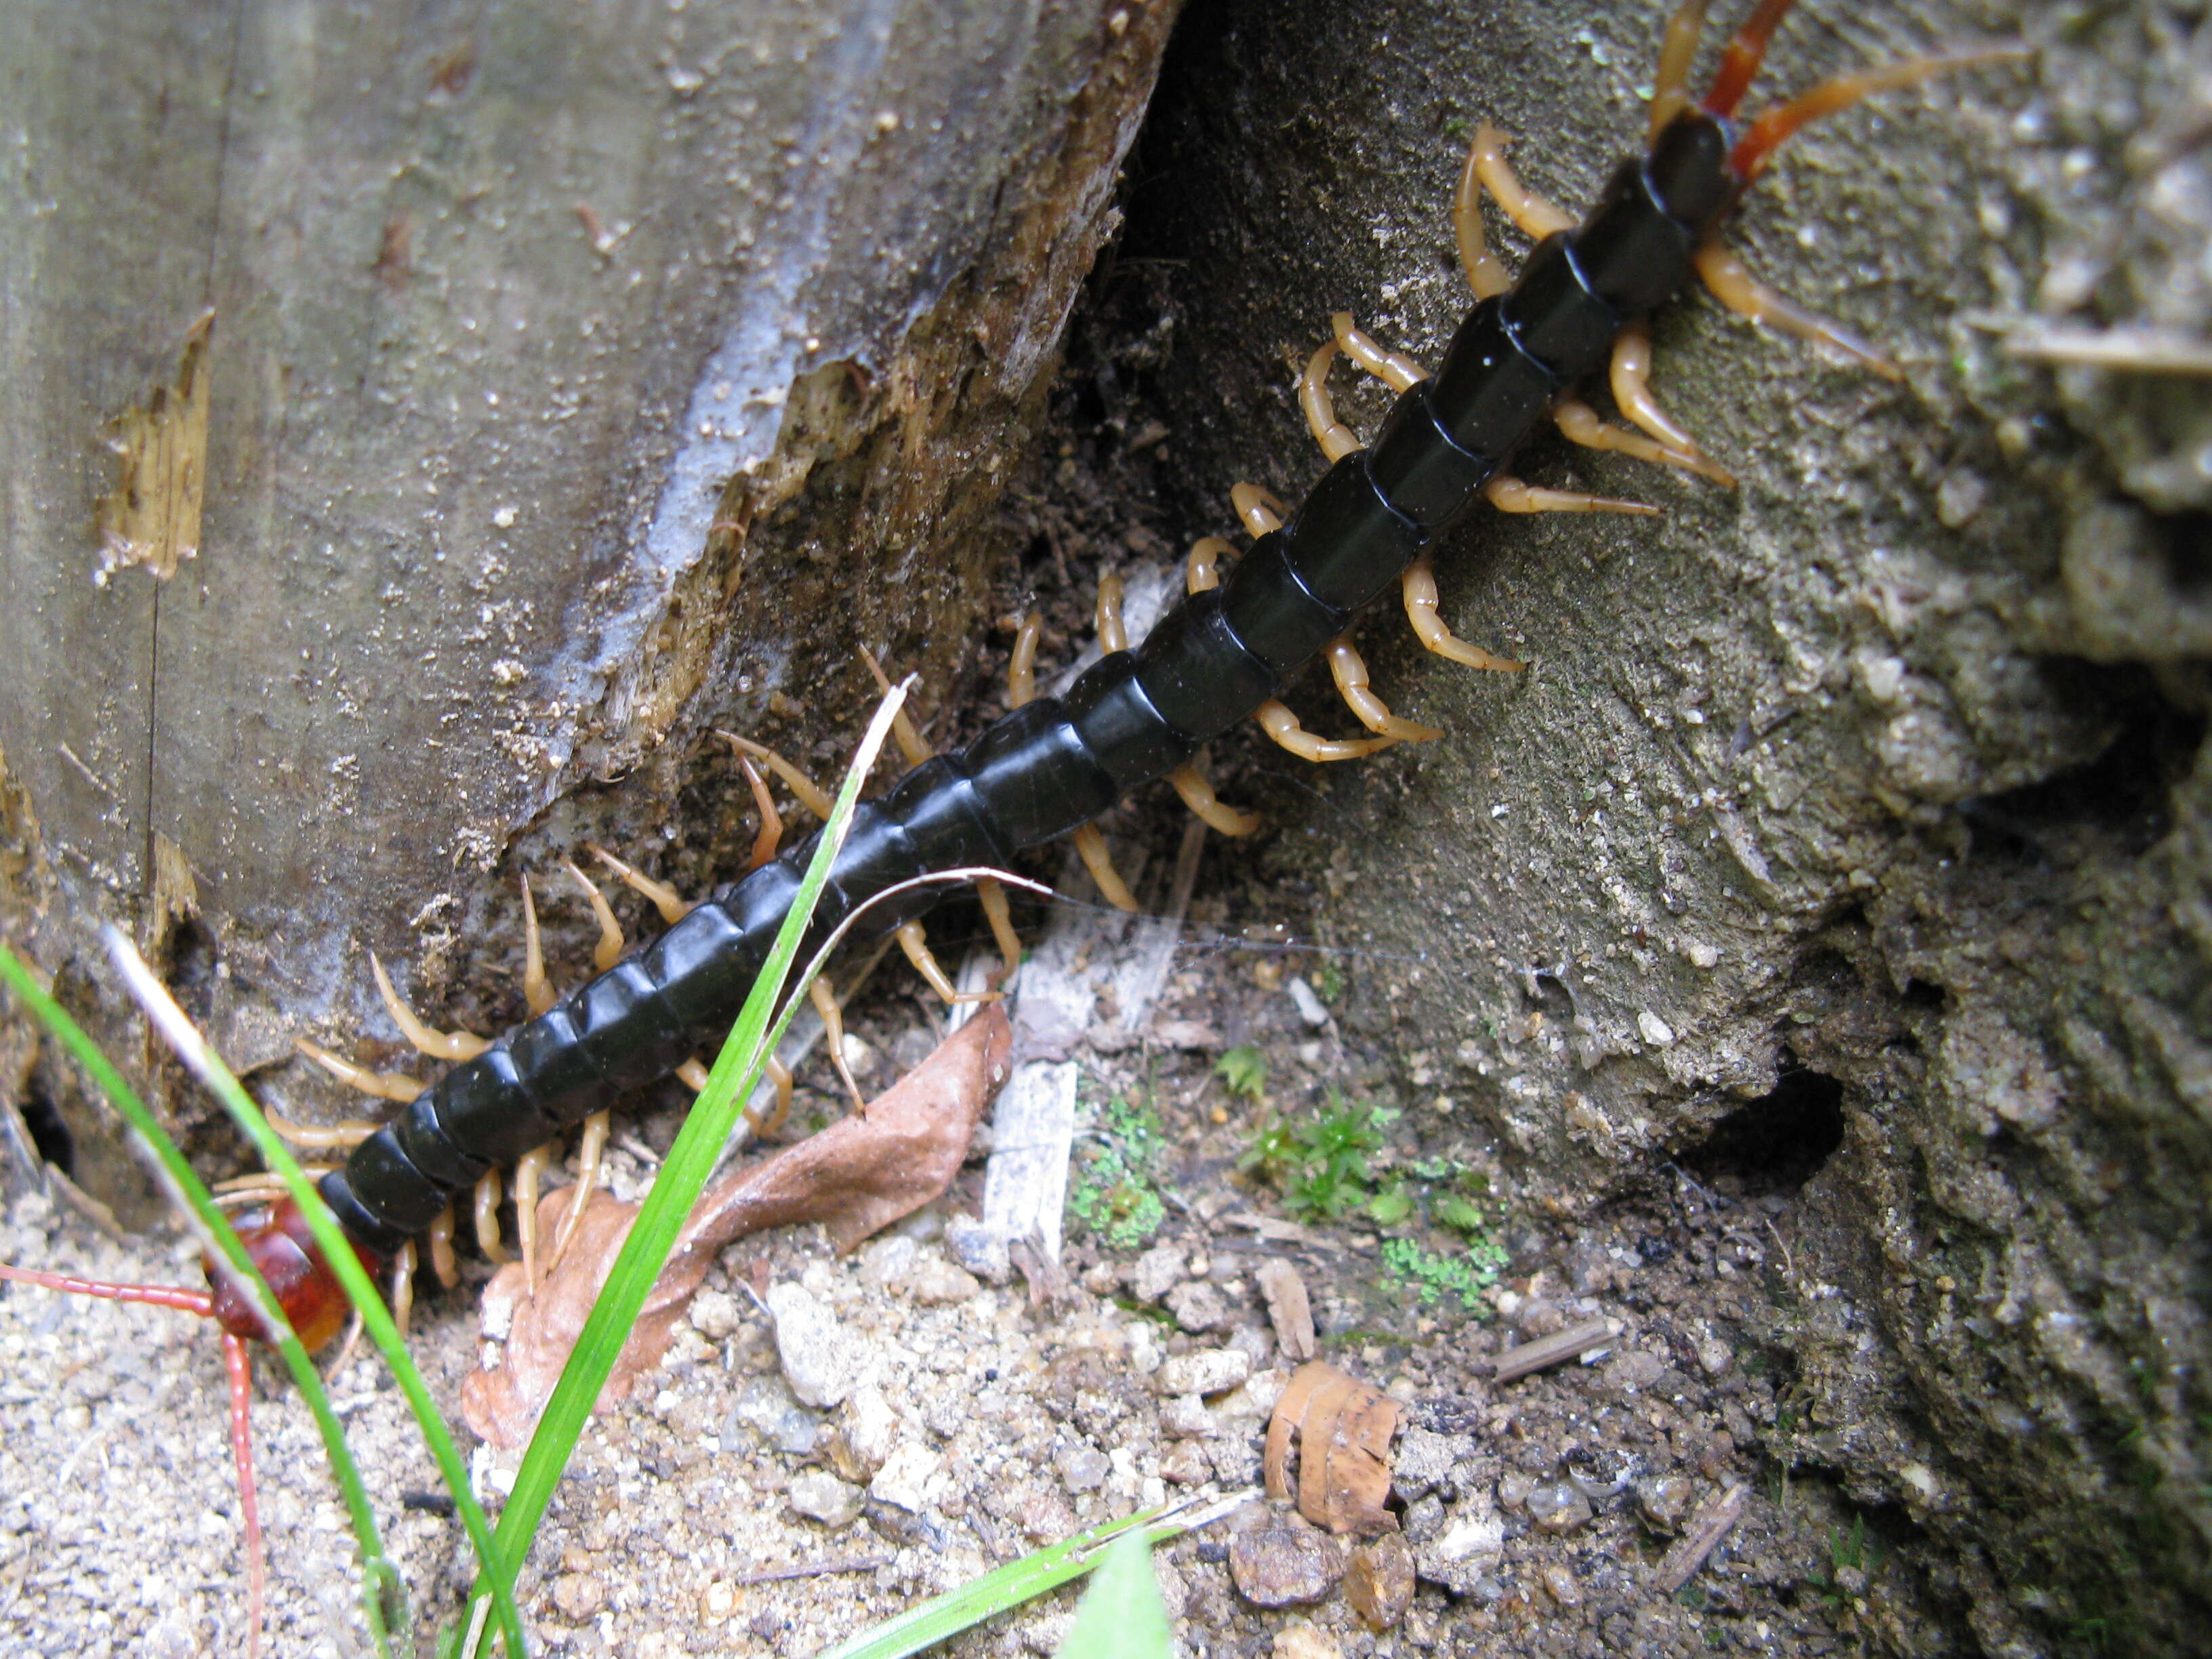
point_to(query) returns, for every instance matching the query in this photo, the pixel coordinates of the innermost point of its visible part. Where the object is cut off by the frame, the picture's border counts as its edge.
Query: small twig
(1711, 1525)
(815, 1569)
(1788, 1264)
(1569, 1344)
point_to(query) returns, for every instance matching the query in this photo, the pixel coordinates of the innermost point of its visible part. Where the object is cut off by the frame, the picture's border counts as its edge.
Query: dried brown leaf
(1344, 1429)
(1288, 1309)
(856, 1177)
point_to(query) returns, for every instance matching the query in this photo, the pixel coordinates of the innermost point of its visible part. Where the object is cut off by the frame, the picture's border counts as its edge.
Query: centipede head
(286, 1254)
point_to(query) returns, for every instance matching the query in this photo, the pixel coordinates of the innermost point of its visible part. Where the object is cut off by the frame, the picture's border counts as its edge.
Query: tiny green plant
(1434, 1274)
(1320, 1164)
(1328, 982)
(1112, 1190)
(1242, 1071)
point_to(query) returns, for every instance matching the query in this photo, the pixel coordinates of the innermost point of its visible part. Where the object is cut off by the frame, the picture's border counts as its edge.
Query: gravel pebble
(821, 1496)
(1206, 1370)
(1281, 1561)
(822, 1360)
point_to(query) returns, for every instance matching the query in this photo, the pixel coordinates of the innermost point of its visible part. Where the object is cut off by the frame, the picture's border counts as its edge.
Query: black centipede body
(1051, 766)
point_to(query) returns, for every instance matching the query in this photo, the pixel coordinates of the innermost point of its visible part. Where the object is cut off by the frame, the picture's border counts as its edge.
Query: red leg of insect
(1724, 274)
(237, 1362)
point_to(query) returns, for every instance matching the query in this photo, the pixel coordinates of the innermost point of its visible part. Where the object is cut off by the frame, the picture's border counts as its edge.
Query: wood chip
(1704, 1537)
(1288, 1309)
(1344, 1429)
(1569, 1344)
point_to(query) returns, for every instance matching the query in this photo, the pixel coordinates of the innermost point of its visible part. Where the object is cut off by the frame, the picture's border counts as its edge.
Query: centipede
(1247, 627)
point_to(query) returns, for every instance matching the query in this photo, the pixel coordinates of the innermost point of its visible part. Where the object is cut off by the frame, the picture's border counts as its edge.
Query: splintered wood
(1344, 1429)
(856, 1177)
(152, 516)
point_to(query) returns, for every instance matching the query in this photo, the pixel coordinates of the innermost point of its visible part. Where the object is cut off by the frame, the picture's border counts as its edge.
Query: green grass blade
(1122, 1616)
(1020, 1581)
(379, 1578)
(682, 1174)
(337, 1248)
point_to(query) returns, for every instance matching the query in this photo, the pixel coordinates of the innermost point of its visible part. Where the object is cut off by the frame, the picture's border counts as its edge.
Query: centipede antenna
(1670, 80)
(1747, 49)
(1773, 127)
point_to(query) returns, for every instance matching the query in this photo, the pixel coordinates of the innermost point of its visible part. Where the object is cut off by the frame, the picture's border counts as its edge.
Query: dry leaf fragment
(1344, 1429)
(152, 516)
(1288, 1309)
(856, 1177)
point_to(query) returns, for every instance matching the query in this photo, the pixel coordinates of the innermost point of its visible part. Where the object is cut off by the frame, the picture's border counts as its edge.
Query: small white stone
(1207, 1371)
(901, 1481)
(1657, 1032)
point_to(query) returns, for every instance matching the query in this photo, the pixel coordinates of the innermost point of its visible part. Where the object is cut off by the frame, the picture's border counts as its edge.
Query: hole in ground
(1779, 1142)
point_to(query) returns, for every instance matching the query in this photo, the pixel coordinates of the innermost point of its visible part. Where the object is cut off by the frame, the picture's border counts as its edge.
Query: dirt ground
(1013, 1423)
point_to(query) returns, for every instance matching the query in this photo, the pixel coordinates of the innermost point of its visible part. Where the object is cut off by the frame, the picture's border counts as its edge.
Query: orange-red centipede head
(286, 1255)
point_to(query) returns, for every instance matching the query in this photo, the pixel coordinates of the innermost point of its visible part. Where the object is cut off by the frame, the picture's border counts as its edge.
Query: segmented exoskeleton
(1053, 765)
(1140, 715)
